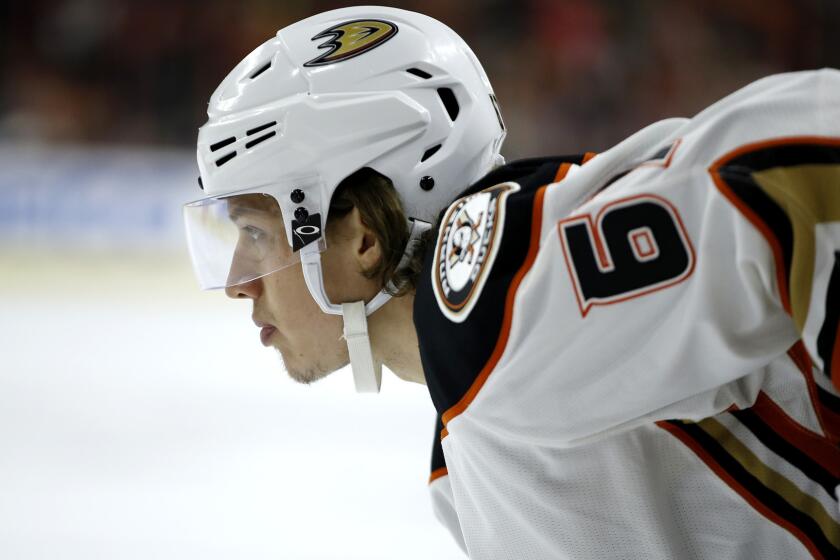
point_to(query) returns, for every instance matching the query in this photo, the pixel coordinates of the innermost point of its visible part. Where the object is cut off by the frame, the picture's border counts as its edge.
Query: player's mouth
(265, 335)
(266, 332)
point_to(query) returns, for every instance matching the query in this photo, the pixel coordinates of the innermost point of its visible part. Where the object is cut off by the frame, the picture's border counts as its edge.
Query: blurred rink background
(141, 418)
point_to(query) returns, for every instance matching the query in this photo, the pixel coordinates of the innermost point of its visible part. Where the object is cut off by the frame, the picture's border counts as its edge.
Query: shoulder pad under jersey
(482, 241)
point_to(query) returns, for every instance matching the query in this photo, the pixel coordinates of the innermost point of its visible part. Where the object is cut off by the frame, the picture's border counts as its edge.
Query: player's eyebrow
(252, 204)
(237, 211)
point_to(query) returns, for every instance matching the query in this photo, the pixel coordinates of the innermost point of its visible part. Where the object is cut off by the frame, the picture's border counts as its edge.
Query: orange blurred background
(570, 75)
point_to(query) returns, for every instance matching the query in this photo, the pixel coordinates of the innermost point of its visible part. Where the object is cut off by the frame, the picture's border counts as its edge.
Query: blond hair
(381, 210)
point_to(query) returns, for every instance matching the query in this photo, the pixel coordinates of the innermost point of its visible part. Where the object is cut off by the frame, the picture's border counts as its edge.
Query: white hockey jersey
(632, 356)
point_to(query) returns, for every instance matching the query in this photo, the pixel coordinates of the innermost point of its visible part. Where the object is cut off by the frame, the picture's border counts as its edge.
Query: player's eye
(255, 233)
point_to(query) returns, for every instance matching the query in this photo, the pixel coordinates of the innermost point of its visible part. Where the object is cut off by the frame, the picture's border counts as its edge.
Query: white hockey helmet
(366, 86)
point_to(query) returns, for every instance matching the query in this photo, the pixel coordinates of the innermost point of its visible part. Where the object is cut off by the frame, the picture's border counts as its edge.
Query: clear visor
(238, 238)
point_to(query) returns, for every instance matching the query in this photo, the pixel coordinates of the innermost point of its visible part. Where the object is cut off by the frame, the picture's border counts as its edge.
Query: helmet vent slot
(447, 96)
(222, 143)
(419, 73)
(260, 128)
(262, 138)
(260, 70)
(430, 152)
(224, 159)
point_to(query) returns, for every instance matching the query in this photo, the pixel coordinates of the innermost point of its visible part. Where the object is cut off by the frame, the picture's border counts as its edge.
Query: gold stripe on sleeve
(808, 194)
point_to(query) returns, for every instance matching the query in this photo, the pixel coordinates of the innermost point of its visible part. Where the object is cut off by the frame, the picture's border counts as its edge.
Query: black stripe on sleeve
(828, 332)
(785, 155)
(787, 451)
(742, 184)
(752, 485)
(736, 172)
(438, 461)
(545, 167)
(828, 400)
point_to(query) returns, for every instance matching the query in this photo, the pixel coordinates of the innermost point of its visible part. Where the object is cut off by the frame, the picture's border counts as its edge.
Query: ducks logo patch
(466, 247)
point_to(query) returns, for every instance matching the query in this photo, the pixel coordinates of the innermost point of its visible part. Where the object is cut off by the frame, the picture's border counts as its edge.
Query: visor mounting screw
(297, 196)
(427, 183)
(301, 214)
(200, 182)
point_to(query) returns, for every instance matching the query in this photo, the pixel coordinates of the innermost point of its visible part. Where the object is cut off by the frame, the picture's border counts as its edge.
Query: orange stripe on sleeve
(562, 171)
(737, 487)
(504, 333)
(814, 445)
(752, 216)
(769, 236)
(829, 419)
(437, 473)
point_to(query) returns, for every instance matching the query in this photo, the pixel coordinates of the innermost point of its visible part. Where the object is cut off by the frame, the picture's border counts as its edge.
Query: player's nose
(251, 289)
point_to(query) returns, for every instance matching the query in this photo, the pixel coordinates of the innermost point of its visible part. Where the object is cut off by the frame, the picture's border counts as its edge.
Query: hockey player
(631, 354)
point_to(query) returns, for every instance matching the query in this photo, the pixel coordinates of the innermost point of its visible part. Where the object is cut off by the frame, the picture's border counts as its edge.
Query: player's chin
(306, 371)
(306, 376)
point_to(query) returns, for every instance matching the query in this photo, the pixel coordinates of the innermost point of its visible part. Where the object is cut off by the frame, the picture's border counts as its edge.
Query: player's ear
(365, 247)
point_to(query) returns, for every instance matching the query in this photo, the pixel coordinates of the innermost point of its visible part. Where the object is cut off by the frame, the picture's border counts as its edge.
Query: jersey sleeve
(663, 276)
(440, 490)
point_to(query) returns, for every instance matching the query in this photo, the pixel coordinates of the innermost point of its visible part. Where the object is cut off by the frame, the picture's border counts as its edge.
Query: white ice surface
(142, 419)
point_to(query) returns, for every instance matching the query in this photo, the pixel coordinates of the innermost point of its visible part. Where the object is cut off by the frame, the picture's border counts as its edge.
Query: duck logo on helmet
(352, 38)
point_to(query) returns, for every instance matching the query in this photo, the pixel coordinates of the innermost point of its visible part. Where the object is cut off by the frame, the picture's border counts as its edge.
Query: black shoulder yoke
(453, 354)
